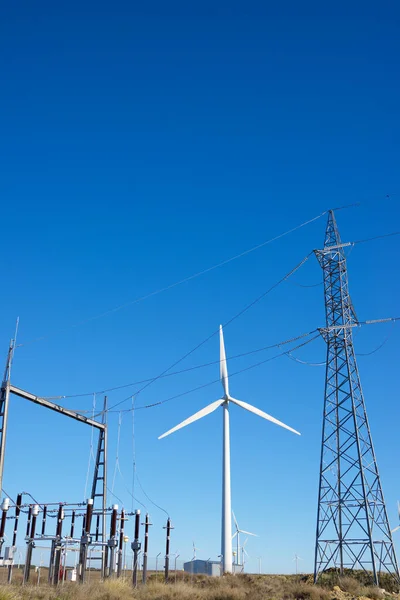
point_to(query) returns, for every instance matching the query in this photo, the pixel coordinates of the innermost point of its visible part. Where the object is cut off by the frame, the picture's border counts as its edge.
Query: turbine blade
(248, 533)
(201, 413)
(235, 534)
(395, 529)
(234, 520)
(261, 413)
(223, 369)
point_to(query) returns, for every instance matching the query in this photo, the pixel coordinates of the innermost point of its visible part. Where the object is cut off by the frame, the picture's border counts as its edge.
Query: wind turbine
(225, 401)
(194, 551)
(296, 559)
(237, 535)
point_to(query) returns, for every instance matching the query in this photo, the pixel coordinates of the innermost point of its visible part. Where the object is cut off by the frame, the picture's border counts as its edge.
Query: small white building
(203, 567)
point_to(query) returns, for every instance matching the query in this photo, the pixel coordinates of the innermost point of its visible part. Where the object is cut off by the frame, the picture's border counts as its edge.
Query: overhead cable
(177, 283)
(186, 370)
(216, 331)
(204, 385)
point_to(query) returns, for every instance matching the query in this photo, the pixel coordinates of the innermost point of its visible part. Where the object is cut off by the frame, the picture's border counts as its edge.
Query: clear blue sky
(143, 144)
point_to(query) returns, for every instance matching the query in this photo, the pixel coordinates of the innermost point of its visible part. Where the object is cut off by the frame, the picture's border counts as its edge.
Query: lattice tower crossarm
(352, 525)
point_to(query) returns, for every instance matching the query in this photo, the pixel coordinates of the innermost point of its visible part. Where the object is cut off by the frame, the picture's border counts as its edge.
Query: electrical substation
(352, 532)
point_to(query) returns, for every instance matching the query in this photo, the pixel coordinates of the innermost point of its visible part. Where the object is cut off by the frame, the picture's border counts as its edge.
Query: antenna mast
(352, 524)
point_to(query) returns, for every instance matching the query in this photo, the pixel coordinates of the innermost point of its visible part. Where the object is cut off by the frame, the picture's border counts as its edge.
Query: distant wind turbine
(237, 535)
(296, 559)
(226, 525)
(194, 551)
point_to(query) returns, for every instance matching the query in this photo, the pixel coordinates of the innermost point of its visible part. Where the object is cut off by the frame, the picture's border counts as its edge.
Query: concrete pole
(226, 529)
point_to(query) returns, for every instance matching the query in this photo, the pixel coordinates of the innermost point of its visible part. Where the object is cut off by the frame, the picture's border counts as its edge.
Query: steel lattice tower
(352, 524)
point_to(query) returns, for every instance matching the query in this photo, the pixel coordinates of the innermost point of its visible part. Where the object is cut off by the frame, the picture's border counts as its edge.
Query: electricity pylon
(352, 525)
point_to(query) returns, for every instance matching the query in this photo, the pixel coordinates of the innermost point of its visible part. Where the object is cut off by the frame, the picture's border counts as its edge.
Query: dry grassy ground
(239, 587)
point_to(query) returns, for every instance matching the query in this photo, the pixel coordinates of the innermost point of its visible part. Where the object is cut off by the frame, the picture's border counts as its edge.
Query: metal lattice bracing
(352, 524)
(99, 487)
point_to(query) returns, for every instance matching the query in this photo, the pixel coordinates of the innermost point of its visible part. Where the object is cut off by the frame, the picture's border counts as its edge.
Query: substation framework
(352, 524)
(93, 513)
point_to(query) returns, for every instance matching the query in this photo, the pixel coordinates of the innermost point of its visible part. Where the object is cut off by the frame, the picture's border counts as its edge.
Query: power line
(149, 499)
(186, 370)
(204, 385)
(377, 237)
(180, 282)
(214, 362)
(236, 316)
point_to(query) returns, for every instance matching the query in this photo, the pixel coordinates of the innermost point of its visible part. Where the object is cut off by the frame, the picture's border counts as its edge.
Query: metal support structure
(99, 487)
(167, 544)
(121, 544)
(85, 540)
(147, 524)
(4, 509)
(100, 472)
(30, 543)
(57, 547)
(352, 525)
(136, 548)
(14, 540)
(113, 542)
(56, 407)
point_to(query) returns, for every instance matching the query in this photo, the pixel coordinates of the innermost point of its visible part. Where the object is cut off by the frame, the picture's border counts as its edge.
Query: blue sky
(141, 145)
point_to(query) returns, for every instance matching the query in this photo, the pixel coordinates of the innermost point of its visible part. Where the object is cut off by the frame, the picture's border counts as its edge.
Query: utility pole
(136, 548)
(167, 544)
(352, 524)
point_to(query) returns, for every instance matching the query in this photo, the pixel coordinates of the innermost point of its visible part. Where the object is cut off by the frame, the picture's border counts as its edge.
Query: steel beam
(56, 407)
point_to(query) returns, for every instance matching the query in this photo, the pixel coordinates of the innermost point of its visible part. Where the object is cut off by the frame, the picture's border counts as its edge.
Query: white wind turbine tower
(225, 401)
(237, 535)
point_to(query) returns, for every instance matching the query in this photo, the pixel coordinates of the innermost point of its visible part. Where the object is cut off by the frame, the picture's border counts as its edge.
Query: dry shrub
(304, 591)
(350, 585)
